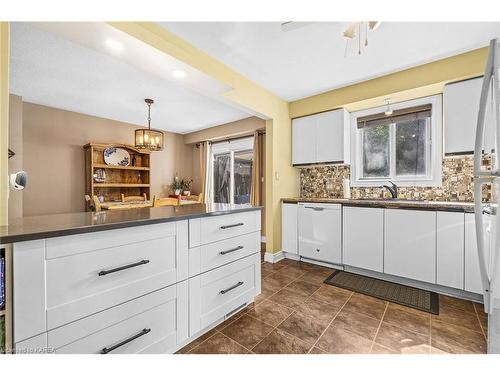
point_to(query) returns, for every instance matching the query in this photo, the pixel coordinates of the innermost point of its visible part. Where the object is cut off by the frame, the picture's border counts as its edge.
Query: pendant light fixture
(149, 139)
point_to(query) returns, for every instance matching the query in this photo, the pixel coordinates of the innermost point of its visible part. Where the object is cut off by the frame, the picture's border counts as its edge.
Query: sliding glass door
(232, 163)
(222, 178)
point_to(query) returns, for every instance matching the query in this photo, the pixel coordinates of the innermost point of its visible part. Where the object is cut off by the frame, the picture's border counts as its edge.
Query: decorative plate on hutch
(116, 156)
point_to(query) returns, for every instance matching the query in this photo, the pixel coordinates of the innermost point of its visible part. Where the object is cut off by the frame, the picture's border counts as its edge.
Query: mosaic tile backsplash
(457, 186)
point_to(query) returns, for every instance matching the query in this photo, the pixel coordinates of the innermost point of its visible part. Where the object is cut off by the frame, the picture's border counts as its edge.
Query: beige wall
(54, 157)
(16, 162)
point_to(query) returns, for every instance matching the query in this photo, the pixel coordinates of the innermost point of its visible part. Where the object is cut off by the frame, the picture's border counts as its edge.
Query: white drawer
(82, 283)
(207, 257)
(216, 293)
(216, 228)
(154, 323)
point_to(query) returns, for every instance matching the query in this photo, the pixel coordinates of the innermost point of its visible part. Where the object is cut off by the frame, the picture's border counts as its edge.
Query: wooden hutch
(133, 179)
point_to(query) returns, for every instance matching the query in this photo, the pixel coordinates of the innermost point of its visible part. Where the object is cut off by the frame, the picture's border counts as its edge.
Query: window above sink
(404, 147)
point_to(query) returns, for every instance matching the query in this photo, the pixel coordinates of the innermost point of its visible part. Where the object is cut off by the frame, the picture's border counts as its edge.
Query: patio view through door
(232, 163)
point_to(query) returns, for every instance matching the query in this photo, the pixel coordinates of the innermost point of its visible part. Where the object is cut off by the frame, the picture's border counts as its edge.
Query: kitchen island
(137, 281)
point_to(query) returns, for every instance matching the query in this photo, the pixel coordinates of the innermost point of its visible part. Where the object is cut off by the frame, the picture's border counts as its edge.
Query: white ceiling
(84, 77)
(311, 59)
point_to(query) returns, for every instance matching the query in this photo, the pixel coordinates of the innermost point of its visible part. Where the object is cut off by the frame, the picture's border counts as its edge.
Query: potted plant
(176, 186)
(186, 187)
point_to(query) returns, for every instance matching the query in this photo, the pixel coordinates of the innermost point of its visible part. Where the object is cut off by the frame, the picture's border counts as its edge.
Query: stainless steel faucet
(393, 189)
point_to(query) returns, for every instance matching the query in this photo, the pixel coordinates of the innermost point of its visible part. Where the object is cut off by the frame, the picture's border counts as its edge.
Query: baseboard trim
(273, 257)
(291, 255)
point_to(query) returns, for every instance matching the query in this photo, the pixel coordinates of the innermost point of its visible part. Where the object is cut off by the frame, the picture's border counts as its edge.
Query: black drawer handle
(231, 226)
(315, 208)
(224, 252)
(140, 263)
(145, 331)
(240, 283)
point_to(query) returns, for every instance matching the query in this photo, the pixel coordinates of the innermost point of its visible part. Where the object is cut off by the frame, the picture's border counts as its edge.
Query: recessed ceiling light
(178, 73)
(114, 45)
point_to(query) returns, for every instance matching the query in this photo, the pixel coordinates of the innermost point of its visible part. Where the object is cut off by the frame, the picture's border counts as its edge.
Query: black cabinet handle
(315, 208)
(140, 263)
(231, 226)
(240, 283)
(145, 331)
(224, 252)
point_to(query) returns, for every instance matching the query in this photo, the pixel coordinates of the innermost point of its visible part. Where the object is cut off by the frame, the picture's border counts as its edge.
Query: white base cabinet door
(450, 249)
(363, 230)
(472, 273)
(289, 213)
(410, 244)
(320, 232)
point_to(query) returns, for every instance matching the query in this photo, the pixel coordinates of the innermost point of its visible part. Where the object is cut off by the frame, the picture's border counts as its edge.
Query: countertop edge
(411, 205)
(9, 239)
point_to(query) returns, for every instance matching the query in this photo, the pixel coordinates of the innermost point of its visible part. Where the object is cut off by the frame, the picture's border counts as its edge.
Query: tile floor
(297, 313)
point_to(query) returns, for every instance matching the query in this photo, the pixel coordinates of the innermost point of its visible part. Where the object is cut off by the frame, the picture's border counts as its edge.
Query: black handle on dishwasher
(239, 283)
(145, 331)
(224, 252)
(140, 263)
(231, 225)
(315, 208)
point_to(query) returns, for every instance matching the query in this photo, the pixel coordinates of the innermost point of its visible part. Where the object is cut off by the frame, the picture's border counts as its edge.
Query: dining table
(136, 204)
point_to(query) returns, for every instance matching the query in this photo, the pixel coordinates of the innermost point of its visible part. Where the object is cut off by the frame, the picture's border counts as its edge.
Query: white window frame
(434, 159)
(230, 146)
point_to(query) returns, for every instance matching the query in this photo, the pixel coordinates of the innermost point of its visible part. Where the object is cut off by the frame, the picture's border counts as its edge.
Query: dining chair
(89, 203)
(134, 198)
(97, 203)
(159, 202)
(195, 198)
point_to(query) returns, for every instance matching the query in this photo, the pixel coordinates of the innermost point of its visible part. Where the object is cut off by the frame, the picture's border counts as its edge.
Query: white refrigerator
(487, 225)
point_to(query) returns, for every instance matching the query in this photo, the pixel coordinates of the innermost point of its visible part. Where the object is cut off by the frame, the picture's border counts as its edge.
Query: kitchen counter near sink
(391, 203)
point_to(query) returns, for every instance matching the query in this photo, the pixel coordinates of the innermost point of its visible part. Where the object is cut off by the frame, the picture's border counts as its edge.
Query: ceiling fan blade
(293, 25)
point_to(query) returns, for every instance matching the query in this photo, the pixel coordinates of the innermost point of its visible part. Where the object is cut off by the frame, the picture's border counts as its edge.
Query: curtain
(204, 171)
(258, 152)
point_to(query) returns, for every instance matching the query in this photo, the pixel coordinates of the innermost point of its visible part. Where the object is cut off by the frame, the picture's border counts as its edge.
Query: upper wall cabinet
(321, 138)
(461, 105)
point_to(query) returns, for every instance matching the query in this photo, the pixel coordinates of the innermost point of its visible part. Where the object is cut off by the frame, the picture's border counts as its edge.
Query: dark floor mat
(401, 294)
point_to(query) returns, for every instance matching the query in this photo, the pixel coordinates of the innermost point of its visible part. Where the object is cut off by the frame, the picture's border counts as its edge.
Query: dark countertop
(388, 203)
(46, 226)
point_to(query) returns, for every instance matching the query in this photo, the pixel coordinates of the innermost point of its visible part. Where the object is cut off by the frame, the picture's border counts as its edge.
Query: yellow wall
(423, 80)
(4, 118)
(281, 177)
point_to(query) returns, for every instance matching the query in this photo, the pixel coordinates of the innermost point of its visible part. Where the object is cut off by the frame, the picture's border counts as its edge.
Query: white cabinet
(331, 129)
(304, 140)
(289, 228)
(134, 290)
(450, 249)
(472, 273)
(321, 138)
(363, 230)
(461, 105)
(320, 231)
(410, 244)
(221, 291)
